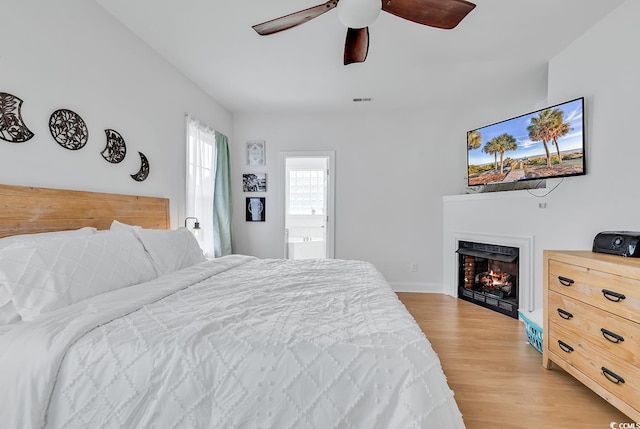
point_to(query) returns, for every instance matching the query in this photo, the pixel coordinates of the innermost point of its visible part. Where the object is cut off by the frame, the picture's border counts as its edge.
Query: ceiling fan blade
(294, 19)
(434, 13)
(356, 46)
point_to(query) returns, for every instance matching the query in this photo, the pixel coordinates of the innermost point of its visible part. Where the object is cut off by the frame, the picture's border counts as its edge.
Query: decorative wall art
(143, 173)
(12, 127)
(68, 129)
(256, 209)
(256, 153)
(116, 148)
(254, 182)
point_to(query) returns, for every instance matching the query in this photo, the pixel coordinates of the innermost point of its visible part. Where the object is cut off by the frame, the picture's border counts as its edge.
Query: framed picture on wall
(254, 182)
(255, 209)
(256, 153)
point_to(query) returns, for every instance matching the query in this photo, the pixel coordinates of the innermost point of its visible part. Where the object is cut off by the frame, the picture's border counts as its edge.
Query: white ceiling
(408, 65)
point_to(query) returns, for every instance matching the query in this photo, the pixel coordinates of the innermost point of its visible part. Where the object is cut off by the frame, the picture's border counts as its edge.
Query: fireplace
(488, 275)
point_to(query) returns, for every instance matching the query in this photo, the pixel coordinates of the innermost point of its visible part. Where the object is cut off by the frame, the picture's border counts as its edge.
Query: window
(307, 192)
(201, 161)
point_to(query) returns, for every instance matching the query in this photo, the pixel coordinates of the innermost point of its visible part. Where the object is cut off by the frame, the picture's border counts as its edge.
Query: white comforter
(236, 342)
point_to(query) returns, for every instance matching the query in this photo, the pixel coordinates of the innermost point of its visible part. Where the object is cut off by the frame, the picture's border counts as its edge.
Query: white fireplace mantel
(523, 243)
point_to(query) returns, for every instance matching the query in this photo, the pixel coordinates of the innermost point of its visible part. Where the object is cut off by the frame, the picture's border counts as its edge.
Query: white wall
(392, 169)
(72, 54)
(602, 66)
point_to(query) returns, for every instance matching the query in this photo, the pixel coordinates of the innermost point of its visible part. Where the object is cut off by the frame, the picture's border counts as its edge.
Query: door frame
(330, 221)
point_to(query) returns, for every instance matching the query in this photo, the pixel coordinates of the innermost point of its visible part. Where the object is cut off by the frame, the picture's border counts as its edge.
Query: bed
(122, 323)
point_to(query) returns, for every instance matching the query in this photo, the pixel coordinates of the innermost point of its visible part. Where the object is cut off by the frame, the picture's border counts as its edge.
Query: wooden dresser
(592, 323)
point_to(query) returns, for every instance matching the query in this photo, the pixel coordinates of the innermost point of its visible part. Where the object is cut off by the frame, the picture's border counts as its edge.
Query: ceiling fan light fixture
(358, 13)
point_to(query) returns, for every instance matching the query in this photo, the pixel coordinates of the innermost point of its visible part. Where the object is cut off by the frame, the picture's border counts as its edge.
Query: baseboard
(417, 287)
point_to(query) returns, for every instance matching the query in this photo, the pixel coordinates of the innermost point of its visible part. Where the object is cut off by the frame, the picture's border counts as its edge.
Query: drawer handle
(565, 281)
(611, 336)
(564, 314)
(613, 296)
(612, 376)
(565, 347)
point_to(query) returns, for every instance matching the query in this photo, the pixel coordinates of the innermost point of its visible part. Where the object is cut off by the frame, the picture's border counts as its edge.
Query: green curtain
(222, 199)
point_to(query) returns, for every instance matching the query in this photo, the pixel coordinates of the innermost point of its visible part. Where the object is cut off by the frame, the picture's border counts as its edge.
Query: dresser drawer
(614, 375)
(609, 333)
(616, 294)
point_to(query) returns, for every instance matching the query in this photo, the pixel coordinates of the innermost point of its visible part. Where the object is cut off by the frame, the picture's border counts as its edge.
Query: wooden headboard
(27, 210)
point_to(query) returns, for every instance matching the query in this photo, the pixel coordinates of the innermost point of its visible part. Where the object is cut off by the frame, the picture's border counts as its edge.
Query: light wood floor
(497, 376)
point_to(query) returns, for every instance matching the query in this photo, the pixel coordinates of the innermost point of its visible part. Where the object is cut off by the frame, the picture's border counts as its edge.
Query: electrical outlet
(414, 268)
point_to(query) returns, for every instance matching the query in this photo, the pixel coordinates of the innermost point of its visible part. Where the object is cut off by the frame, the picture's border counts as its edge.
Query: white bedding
(236, 342)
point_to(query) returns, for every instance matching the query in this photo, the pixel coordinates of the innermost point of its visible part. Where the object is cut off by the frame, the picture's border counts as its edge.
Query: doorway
(308, 204)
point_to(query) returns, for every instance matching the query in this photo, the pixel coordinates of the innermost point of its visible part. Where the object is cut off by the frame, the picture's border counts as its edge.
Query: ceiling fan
(357, 15)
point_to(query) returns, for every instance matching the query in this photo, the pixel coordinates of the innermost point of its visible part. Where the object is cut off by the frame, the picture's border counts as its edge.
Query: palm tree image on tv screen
(539, 145)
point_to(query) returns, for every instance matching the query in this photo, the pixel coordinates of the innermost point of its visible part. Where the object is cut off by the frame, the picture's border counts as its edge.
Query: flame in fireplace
(495, 280)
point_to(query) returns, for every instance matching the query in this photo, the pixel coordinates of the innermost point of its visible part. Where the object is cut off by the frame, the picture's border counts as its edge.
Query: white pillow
(7, 309)
(49, 274)
(23, 238)
(117, 225)
(170, 250)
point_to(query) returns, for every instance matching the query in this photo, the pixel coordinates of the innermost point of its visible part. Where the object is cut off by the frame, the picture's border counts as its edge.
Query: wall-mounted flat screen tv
(547, 143)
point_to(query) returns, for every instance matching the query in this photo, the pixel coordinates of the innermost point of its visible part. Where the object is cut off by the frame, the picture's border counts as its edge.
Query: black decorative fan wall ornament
(12, 127)
(116, 148)
(68, 129)
(357, 15)
(143, 173)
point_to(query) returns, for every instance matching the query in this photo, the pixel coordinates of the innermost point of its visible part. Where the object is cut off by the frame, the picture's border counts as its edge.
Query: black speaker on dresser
(622, 243)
